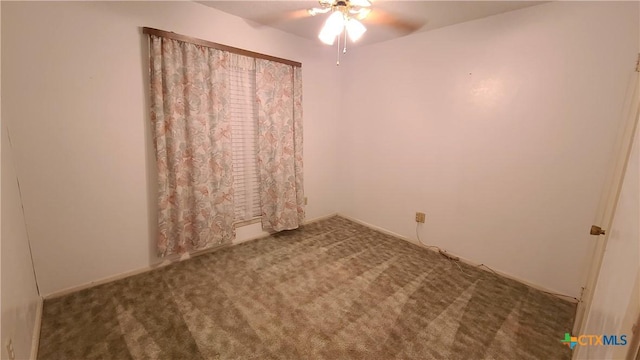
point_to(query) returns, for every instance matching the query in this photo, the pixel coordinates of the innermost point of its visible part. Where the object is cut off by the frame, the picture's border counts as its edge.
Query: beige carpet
(330, 290)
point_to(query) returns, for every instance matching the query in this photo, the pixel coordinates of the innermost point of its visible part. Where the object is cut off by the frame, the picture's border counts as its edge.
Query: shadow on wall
(150, 171)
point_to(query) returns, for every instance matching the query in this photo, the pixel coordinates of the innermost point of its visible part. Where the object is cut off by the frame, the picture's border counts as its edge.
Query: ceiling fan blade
(377, 16)
(360, 3)
(317, 11)
(360, 13)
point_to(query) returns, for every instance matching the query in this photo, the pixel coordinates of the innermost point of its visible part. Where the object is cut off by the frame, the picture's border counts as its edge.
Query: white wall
(19, 296)
(76, 84)
(500, 129)
(19, 293)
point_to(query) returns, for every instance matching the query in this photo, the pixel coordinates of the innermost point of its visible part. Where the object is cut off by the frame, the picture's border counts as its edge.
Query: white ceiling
(291, 16)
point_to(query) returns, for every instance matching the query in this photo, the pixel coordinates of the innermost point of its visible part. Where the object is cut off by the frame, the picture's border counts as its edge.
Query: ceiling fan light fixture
(332, 27)
(316, 11)
(327, 37)
(355, 29)
(361, 13)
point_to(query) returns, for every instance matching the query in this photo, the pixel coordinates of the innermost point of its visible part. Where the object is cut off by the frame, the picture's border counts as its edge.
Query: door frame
(609, 197)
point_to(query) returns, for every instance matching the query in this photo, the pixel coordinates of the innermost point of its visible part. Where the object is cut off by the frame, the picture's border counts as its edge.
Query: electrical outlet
(306, 201)
(10, 352)
(420, 217)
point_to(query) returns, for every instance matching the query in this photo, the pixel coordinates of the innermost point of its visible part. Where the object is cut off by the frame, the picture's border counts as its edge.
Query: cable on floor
(441, 251)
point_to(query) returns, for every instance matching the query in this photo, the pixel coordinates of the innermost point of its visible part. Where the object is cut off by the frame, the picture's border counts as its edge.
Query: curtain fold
(191, 124)
(279, 98)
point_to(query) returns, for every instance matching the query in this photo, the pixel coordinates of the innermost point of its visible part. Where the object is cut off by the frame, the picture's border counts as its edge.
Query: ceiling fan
(345, 16)
(345, 19)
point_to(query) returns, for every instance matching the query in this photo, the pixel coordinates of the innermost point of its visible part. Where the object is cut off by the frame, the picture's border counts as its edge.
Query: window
(268, 184)
(244, 135)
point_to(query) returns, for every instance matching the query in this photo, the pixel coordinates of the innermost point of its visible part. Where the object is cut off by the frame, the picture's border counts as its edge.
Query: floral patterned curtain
(279, 96)
(190, 119)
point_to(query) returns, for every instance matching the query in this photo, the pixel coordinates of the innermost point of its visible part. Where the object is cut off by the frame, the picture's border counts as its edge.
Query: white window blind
(244, 133)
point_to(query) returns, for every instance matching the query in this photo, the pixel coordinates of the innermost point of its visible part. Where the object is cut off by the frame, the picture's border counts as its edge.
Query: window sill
(246, 222)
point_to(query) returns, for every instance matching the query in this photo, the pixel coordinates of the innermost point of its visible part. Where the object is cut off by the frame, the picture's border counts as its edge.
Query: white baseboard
(166, 261)
(108, 279)
(378, 228)
(173, 259)
(319, 218)
(466, 261)
(35, 338)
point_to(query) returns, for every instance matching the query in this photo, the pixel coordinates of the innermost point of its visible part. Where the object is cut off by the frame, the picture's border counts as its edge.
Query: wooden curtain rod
(231, 49)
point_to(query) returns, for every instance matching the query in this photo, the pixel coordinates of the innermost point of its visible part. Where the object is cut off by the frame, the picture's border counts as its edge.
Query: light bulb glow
(332, 28)
(355, 29)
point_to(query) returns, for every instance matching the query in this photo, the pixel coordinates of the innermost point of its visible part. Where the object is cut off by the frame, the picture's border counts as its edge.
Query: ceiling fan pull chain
(338, 61)
(345, 41)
